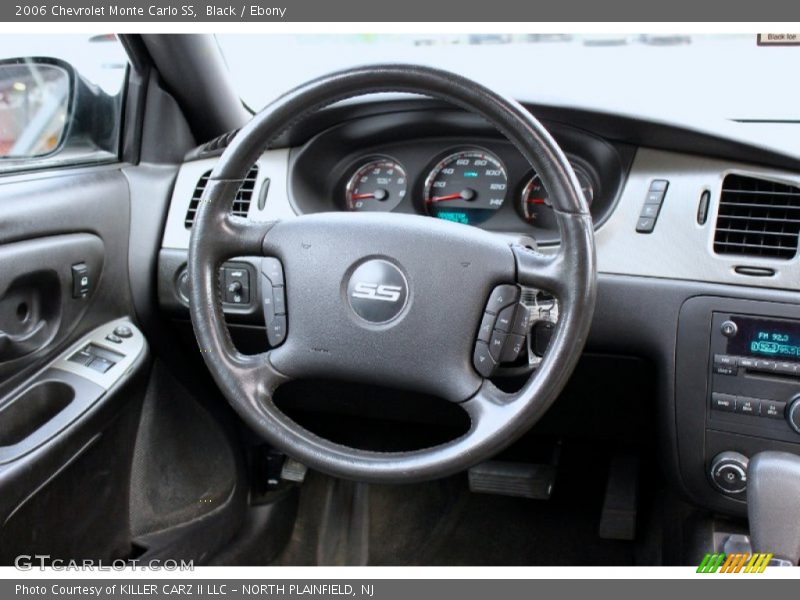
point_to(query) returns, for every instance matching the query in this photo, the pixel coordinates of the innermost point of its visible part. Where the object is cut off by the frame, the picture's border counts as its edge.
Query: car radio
(755, 376)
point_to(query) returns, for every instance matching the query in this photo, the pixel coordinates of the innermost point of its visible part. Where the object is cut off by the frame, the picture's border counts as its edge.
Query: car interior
(394, 317)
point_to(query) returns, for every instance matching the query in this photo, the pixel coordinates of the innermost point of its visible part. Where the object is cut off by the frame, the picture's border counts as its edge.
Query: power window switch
(82, 357)
(101, 365)
(80, 281)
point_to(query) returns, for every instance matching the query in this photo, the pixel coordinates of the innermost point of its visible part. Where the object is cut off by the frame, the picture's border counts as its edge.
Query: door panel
(67, 428)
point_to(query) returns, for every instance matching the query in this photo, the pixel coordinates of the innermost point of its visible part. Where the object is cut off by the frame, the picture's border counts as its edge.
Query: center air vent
(757, 217)
(241, 204)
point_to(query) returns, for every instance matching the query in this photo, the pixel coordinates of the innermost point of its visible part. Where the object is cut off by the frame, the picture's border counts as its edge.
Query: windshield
(680, 77)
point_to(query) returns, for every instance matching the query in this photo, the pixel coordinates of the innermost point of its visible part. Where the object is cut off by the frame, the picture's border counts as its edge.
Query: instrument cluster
(467, 185)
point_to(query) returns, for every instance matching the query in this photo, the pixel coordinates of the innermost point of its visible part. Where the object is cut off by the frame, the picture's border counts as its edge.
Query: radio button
(724, 359)
(747, 363)
(723, 402)
(786, 368)
(728, 329)
(768, 366)
(725, 370)
(772, 409)
(748, 406)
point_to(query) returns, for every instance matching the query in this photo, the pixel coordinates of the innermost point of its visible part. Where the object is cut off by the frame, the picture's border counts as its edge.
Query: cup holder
(33, 409)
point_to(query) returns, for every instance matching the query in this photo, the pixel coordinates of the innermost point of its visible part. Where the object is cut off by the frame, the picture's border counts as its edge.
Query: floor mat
(443, 523)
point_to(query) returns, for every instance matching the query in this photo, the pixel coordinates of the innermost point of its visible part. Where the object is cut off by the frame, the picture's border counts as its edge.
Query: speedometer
(466, 187)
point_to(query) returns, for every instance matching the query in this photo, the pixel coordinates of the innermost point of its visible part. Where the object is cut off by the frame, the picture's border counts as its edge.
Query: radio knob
(729, 472)
(793, 413)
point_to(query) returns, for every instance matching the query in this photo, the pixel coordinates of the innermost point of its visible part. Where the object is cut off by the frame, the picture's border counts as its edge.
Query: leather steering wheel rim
(249, 381)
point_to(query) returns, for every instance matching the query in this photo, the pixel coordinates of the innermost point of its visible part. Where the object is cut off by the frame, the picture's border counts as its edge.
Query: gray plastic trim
(678, 248)
(273, 165)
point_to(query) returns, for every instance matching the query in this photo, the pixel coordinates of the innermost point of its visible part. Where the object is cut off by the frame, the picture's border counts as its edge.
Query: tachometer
(378, 185)
(466, 187)
(535, 202)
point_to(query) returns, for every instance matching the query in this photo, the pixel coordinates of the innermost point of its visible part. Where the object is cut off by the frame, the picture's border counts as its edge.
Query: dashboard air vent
(757, 217)
(241, 204)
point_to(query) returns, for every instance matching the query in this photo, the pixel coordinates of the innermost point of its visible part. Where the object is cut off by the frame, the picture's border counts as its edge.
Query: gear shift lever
(773, 504)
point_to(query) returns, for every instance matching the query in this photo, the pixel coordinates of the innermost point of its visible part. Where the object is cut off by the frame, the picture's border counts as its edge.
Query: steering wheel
(389, 299)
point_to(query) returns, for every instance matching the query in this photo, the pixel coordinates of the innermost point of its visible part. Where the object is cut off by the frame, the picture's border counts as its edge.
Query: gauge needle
(466, 194)
(536, 201)
(379, 194)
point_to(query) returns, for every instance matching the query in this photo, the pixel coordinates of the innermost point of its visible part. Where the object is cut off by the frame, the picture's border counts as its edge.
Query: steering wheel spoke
(541, 271)
(225, 235)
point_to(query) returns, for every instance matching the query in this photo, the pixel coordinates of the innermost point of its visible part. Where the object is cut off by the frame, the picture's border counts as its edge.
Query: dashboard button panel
(652, 206)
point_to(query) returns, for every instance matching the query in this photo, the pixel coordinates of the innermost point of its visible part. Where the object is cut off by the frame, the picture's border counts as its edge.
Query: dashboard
(690, 233)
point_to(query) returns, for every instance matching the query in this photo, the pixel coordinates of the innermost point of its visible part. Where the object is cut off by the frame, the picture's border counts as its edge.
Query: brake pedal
(522, 480)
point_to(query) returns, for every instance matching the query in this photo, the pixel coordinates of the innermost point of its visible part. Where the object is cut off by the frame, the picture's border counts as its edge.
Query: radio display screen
(765, 338)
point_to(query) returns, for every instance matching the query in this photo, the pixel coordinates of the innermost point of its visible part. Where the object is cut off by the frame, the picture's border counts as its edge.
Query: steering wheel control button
(502, 296)
(486, 328)
(484, 363)
(273, 300)
(276, 330)
(729, 329)
(496, 344)
(123, 331)
(520, 323)
(513, 348)
(272, 269)
(728, 472)
(377, 291)
(505, 318)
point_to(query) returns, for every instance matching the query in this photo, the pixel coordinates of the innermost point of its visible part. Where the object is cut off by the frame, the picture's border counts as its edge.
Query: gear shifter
(773, 504)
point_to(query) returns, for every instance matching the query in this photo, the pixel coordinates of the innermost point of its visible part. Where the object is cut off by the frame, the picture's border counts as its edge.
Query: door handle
(16, 345)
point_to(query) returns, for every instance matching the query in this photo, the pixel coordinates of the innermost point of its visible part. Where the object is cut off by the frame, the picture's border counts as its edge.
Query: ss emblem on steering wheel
(377, 291)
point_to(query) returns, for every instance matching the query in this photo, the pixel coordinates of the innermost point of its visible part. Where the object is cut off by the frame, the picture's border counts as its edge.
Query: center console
(737, 392)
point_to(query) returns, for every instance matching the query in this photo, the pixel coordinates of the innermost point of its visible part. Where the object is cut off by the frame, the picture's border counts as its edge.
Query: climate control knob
(793, 413)
(729, 472)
